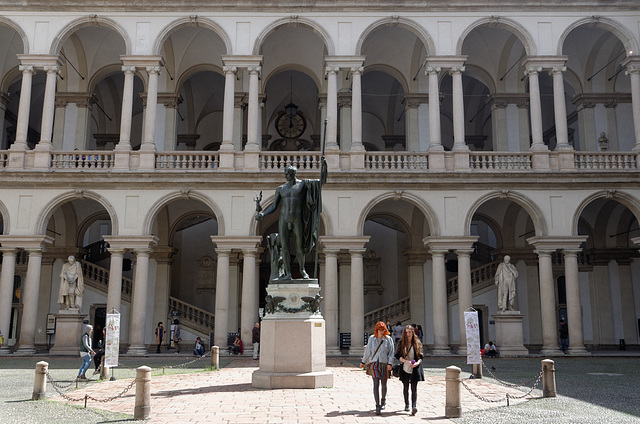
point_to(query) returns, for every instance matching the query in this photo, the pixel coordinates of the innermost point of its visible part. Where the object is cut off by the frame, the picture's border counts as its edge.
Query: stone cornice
(444, 62)
(608, 99)
(545, 62)
(242, 61)
(39, 61)
(142, 61)
(552, 243)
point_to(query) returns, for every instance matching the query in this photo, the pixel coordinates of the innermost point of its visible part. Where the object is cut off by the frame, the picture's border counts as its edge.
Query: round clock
(290, 127)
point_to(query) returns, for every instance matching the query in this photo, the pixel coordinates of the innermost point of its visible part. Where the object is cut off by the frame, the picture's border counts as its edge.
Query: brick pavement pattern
(226, 396)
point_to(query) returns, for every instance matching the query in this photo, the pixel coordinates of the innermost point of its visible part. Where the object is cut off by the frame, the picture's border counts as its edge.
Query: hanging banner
(473, 337)
(112, 340)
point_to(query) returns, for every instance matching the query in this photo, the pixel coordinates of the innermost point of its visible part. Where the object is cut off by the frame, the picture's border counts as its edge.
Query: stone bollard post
(104, 371)
(548, 378)
(40, 383)
(477, 370)
(452, 408)
(215, 357)
(143, 393)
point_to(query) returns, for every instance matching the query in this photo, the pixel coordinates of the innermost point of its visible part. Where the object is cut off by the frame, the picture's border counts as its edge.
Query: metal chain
(507, 396)
(122, 393)
(504, 383)
(58, 388)
(482, 398)
(531, 389)
(171, 366)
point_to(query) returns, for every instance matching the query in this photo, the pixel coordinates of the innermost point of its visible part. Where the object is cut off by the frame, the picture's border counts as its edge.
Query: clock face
(291, 127)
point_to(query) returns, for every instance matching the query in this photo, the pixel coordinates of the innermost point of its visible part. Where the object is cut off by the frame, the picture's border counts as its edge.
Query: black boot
(414, 410)
(382, 404)
(406, 407)
(378, 410)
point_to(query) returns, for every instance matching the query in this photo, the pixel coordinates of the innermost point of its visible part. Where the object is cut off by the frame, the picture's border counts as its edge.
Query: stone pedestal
(509, 333)
(292, 339)
(68, 333)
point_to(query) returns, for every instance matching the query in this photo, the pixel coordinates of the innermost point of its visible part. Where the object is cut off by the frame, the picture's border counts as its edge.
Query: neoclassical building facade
(136, 138)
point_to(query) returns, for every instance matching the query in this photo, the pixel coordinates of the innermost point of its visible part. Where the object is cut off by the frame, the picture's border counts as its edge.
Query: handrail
(392, 311)
(480, 277)
(98, 278)
(189, 314)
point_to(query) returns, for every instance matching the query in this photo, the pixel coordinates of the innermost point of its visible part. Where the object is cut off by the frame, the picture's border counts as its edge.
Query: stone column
(440, 316)
(239, 105)
(332, 107)
(30, 295)
(560, 108)
(127, 109)
(411, 124)
(6, 293)
(149, 142)
(228, 107)
(344, 111)
(434, 110)
(548, 304)
(574, 308)
(356, 109)
(22, 126)
(458, 109)
(114, 293)
(357, 302)
(253, 143)
(48, 108)
(330, 312)
(535, 109)
(633, 70)
(139, 304)
(464, 293)
(249, 313)
(415, 260)
(222, 298)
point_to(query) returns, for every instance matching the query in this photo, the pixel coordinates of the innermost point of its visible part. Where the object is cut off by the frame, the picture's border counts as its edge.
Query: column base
(356, 351)
(5, 350)
(551, 351)
(137, 351)
(462, 351)
(291, 380)
(25, 351)
(441, 351)
(333, 351)
(578, 351)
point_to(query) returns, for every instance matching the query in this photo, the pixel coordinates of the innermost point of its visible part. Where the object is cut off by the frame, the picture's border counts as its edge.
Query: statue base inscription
(509, 333)
(292, 339)
(68, 333)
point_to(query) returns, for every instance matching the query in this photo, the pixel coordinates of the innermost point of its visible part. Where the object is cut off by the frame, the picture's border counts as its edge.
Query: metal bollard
(548, 378)
(40, 383)
(143, 393)
(215, 357)
(477, 370)
(452, 408)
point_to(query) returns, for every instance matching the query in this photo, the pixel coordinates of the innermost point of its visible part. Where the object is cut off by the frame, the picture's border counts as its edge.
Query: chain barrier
(184, 365)
(58, 387)
(504, 383)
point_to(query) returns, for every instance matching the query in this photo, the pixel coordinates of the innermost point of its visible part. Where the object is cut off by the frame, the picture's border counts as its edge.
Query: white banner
(473, 337)
(112, 342)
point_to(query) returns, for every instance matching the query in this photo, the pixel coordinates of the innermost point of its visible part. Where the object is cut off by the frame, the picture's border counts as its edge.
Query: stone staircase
(393, 312)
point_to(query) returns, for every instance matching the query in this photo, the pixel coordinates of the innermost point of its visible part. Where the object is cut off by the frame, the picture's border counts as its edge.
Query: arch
(428, 212)
(619, 196)
(299, 22)
(407, 24)
(17, 28)
(203, 67)
(47, 212)
(405, 226)
(88, 21)
(8, 79)
(505, 23)
(527, 204)
(482, 76)
(391, 71)
(86, 223)
(293, 67)
(105, 72)
(191, 21)
(174, 225)
(608, 24)
(147, 225)
(4, 213)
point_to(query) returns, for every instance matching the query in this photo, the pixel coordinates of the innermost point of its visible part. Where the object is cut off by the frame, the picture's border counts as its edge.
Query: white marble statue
(71, 285)
(506, 281)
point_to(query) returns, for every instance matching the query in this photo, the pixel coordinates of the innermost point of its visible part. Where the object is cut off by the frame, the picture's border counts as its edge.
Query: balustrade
(189, 314)
(392, 312)
(396, 161)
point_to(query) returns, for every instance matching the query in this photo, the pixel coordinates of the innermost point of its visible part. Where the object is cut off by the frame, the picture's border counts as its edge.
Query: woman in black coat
(409, 353)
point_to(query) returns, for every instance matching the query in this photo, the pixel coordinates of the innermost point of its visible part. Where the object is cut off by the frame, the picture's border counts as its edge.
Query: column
(137, 344)
(48, 107)
(548, 304)
(344, 110)
(228, 107)
(222, 298)
(535, 108)
(464, 293)
(440, 316)
(127, 109)
(6, 293)
(330, 312)
(356, 109)
(574, 307)
(357, 302)
(415, 260)
(30, 295)
(411, 125)
(149, 142)
(458, 109)
(434, 110)
(332, 107)
(253, 113)
(249, 313)
(560, 108)
(322, 105)
(22, 126)
(114, 293)
(239, 105)
(633, 70)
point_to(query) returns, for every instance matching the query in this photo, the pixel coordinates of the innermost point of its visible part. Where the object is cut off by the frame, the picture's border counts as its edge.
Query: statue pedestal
(292, 340)
(509, 333)
(68, 333)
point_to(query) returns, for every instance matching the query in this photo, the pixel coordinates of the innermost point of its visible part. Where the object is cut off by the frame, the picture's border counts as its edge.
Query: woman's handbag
(395, 371)
(369, 364)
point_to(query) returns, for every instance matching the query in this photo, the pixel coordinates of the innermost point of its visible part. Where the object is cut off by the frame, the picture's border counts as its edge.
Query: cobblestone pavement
(589, 391)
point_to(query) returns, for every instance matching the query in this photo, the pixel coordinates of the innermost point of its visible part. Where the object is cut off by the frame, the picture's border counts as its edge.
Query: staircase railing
(191, 316)
(98, 278)
(397, 311)
(481, 277)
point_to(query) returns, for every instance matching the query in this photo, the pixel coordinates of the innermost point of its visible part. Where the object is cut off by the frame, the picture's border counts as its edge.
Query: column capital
(553, 243)
(230, 69)
(131, 242)
(27, 69)
(331, 70)
(557, 70)
(437, 63)
(432, 70)
(254, 70)
(532, 70)
(456, 70)
(25, 242)
(51, 69)
(39, 61)
(632, 64)
(345, 62)
(170, 100)
(153, 70)
(356, 70)
(413, 100)
(142, 61)
(128, 69)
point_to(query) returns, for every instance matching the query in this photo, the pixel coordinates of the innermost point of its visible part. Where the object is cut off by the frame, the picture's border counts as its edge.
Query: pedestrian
(255, 339)
(198, 349)
(420, 333)
(378, 357)
(176, 334)
(85, 352)
(237, 347)
(409, 353)
(491, 350)
(397, 332)
(159, 336)
(97, 360)
(388, 325)
(564, 336)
